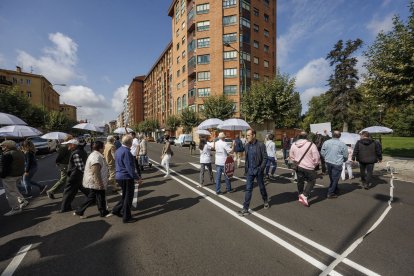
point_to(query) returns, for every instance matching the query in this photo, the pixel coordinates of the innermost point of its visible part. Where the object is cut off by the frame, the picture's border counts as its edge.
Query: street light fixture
(226, 44)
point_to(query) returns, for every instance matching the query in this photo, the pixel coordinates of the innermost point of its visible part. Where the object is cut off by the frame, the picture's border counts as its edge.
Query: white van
(183, 140)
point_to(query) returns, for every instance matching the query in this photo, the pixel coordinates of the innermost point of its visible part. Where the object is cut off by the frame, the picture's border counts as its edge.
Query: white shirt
(222, 151)
(135, 144)
(88, 180)
(271, 148)
(205, 154)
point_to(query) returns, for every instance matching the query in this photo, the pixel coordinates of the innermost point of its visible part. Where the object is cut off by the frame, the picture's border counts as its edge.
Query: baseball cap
(72, 141)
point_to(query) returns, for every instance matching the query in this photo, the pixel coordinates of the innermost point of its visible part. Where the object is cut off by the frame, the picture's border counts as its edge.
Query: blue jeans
(334, 172)
(285, 156)
(220, 170)
(249, 188)
(271, 161)
(28, 182)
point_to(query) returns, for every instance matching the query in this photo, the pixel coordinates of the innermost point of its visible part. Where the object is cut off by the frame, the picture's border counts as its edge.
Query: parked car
(184, 140)
(43, 145)
(172, 140)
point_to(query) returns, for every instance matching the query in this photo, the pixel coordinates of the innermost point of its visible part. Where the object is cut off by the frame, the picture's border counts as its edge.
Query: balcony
(192, 85)
(190, 25)
(191, 100)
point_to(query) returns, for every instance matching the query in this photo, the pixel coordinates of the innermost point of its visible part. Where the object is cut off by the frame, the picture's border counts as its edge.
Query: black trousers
(73, 184)
(306, 175)
(123, 207)
(99, 196)
(137, 166)
(366, 170)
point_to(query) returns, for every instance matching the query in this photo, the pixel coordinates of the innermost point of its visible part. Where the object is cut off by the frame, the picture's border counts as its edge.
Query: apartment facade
(35, 87)
(69, 111)
(135, 100)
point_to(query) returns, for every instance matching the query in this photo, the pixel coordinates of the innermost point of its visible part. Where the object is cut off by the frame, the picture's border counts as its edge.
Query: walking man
(335, 153)
(222, 151)
(367, 152)
(285, 147)
(271, 157)
(109, 155)
(256, 158)
(306, 156)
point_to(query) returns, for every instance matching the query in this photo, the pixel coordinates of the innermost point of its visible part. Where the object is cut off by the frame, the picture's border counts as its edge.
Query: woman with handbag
(166, 155)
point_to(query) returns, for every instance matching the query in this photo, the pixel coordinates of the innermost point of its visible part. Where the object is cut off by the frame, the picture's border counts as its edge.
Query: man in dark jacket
(286, 147)
(367, 152)
(76, 167)
(62, 161)
(256, 158)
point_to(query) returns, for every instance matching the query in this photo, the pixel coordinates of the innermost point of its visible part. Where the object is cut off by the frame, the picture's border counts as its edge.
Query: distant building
(69, 111)
(135, 100)
(112, 126)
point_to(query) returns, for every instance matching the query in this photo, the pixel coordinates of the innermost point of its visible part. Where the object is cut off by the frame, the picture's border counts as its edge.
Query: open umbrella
(19, 131)
(234, 124)
(9, 119)
(210, 123)
(203, 132)
(378, 129)
(121, 130)
(349, 138)
(55, 135)
(87, 126)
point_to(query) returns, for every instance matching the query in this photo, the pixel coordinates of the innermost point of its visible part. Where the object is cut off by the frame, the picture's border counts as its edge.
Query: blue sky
(97, 47)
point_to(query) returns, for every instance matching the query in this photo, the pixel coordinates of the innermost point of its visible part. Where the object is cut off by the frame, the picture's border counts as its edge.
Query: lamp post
(244, 86)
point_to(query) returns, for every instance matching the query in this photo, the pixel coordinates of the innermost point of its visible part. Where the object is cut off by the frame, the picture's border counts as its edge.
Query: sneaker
(244, 212)
(13, 212)
(266, 204)
(109, 215)
(23, 204)
(304, 200)
(43, 191)
(80, 216)
(26, 196)
(50, 195)
(219, 193)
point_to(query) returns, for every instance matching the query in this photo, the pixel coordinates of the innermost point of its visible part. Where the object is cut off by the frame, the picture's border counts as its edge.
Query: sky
(97, 47)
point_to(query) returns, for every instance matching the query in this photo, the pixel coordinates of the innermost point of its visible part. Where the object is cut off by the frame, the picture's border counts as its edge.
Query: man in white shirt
(135, 151)
(222, 151)
(271, 156)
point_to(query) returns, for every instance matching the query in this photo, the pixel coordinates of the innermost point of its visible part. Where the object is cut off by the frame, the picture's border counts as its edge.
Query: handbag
(295, 165)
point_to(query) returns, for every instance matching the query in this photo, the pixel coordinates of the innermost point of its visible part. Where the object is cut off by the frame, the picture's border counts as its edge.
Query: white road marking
(2, 191)
(258, 228)
(135, 201)
(47, 180)
(11, 268)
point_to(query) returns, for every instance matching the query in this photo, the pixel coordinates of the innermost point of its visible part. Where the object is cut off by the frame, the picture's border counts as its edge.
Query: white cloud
(57, 63)
(118, 98)
(385, 3)
(307, 95)
(314, 73)
(360, 67)
(2, 61)
(377, 25)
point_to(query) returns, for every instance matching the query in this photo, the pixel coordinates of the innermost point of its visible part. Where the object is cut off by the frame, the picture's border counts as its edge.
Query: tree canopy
(219, 107)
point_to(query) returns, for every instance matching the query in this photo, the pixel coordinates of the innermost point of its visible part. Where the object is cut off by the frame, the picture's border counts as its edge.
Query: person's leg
(129, 196)
(323, 165)
(248, 193)
(101, 202)
(117, 210)
(89, 200)
(334, 174)
(210, 171)
(27, 186)
(219, 171)
(62, 181)
(362, 169)
(12, 193)
(331, 189)
(228, 183)
(202, 169)
(268, 163)
(301, 180)
(343, 171)
(70, 192)
(262, 187)
(349, 168)
(370, 170)
(274, 165)
(310, 177)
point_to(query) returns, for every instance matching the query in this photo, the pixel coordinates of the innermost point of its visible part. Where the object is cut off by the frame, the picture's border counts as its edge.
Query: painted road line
(253, 225)
(288, 231)
(47, 180)
(135, 201)
(11, 268)
(2, 191)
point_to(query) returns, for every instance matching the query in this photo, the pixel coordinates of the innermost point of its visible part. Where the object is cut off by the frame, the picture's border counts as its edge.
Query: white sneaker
(13, 212)
(304, 200)
(23, 204)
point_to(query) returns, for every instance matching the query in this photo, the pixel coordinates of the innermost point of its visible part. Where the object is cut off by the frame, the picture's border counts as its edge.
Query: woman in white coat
(205, 160)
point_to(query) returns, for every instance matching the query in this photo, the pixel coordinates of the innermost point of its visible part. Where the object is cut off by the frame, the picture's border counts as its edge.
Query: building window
(203, 8)
(230, 73)
(266, 48)
(245, 37)
(229, 3)
(229, 38)
(29, 94)
(203, 76)
(203, 42)
(178, 72)
(183, 25)
(266, 2)
(230, 55)
(203, 92)
(178, 46)
(183, 6)
(266, 17)
(179, 104)
(256, 44)
(256, 12)
(183, 40)
(229, 20)
(245, 22)
(28, 82)
(256, 76)
(183, 69)
(184, 101)
(246, 5)
(256, 60)
(245, 56)
(230, 90)
(200, 107)
(256, 28)
(178, 86)
(266, 78)
(191, 45)
(266, 64)
(178, 59)
(191, 93)
(183, 54)
(203, 26)
(203, 59)
(266, 33)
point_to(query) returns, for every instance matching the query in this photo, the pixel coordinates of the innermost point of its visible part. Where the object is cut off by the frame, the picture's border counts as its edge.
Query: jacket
(12, 163)
(124, 164)
(30, 161)
(367, 151)
(109, 154)
(334, 151)
(76, 165)
(312, 157)
(259, 157)
(63, 155)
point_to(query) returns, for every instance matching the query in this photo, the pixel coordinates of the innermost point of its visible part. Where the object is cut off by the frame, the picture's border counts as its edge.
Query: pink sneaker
(304, 200)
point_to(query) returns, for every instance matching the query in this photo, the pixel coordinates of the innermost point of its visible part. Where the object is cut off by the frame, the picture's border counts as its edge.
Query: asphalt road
(183, 229)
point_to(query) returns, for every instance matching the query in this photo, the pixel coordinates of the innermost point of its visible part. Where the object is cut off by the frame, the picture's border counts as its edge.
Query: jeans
(220, 170)
(285, 156)
(366, 170)
(334, 172)
(249, 188)
(306, 175)
(271, 162)
(203, 167)
(28, 182)
(63, 168)
(13, 196)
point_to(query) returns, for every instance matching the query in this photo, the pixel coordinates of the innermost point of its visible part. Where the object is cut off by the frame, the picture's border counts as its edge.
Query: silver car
(43, 145)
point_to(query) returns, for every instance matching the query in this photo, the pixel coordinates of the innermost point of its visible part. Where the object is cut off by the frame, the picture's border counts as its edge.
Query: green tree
(57, 121)
(219, 107)
(390, 63)
(343, 93)
(317, 112)
(189, 119)
(173, 122)
(274, 100)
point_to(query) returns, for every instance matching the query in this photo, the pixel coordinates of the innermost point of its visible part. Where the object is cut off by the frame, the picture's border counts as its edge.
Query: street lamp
(226, 44)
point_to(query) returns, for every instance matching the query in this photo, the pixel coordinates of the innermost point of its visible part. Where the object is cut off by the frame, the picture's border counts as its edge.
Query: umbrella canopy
(87, 126)
(55, 135)
(19, 131)
(210, 123)
(8, 119)
(234, 124)
(378, 129)
(349, 138)
(203, 132)
(121, 130)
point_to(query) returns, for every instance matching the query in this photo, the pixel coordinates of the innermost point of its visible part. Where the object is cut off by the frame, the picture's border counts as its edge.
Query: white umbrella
(349, 138)
(210, 123)
(9, 119)
(19, 131)
(55, 135)
(377, 129)
(87, 126)
(203, 132)
(234, 124)
(121, 130)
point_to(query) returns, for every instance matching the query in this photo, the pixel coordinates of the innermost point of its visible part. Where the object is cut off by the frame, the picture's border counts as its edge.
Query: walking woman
(95, 178)
(205, 160)
(166, 155)
(30, 168)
